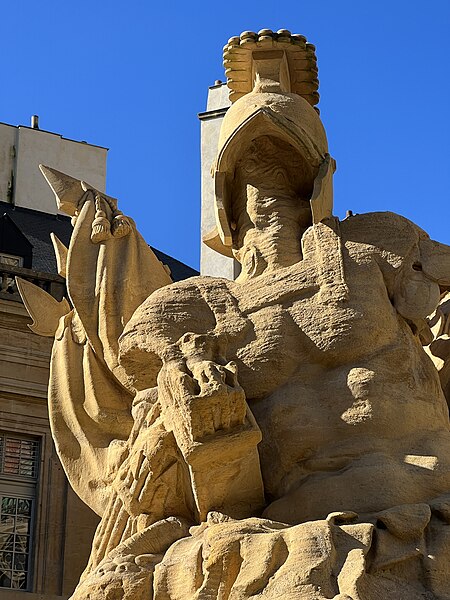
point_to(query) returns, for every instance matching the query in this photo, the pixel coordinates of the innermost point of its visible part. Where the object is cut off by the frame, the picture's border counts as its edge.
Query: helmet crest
(266, 60)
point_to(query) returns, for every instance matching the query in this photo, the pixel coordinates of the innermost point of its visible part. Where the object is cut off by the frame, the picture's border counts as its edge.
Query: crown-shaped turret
(270, 61)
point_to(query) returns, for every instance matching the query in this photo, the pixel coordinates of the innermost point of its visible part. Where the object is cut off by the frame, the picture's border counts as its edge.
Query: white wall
(74, 158)
(7, 142)
(211, 262)
(32, 147)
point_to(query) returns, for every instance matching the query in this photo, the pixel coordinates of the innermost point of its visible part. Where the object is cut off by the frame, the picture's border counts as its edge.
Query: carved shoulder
(156, 326)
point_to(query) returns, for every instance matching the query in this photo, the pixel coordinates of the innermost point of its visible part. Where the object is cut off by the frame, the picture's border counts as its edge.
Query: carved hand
(220, 403)
(209, 401)
(205, 407)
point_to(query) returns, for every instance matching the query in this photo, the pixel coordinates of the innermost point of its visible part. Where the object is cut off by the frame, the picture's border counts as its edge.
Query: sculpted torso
(355, 416)
(350, 407)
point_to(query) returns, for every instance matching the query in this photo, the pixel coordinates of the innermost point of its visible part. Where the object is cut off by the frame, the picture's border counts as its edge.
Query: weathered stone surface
(281, 436)
(334, 558)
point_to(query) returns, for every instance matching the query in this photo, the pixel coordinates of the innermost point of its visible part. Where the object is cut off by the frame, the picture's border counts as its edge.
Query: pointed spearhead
(68, 190)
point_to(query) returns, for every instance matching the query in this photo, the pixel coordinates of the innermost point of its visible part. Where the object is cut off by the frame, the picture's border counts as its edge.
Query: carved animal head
(425, 271)
(415, 268)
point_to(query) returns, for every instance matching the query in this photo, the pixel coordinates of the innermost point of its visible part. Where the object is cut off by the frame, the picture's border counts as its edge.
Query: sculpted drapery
(281, 436)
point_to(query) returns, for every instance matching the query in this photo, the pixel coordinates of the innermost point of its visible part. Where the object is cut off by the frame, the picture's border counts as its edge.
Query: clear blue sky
(133, 75)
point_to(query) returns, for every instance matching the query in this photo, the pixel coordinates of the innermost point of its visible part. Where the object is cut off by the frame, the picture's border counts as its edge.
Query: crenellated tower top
(270, 61)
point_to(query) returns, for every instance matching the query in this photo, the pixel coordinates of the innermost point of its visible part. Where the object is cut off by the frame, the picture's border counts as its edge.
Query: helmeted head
(272, 78)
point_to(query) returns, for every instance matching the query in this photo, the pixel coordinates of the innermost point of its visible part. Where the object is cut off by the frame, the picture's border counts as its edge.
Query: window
(19, 460)
(11, 260)
(8, 283)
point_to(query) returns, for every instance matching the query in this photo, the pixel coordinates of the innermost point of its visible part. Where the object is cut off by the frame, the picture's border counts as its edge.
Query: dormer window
(11, 260)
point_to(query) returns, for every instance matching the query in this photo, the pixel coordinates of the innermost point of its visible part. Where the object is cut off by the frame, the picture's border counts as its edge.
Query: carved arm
(205, 407)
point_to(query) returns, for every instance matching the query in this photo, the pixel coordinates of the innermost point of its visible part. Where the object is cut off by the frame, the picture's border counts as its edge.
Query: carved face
(425, 271)
(271, 184)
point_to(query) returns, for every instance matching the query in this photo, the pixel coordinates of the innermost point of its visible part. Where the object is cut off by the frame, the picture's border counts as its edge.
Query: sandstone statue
(281, 436)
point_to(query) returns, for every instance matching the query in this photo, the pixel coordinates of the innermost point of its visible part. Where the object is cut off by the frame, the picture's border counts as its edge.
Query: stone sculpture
(281, 436)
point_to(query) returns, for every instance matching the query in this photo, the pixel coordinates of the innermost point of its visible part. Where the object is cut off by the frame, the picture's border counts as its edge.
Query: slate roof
(37, 226)
(178, 270)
